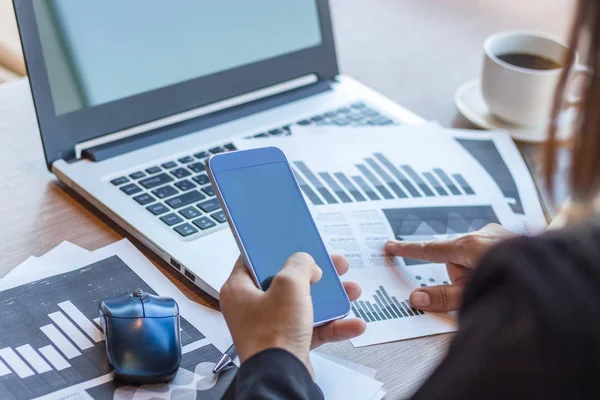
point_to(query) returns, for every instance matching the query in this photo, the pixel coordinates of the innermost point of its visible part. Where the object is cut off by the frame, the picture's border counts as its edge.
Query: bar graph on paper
(377, 178)
(51, 337)
(383, 307)
(389, 316)
(70, 333)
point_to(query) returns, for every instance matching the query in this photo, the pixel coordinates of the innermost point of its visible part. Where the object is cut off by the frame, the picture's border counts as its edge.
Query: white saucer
(470, 103)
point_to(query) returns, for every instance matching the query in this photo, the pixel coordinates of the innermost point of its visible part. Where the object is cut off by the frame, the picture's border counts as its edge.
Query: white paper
(527, 207)
(518, 186)
(64, 252)
(379, 395)
(28, 265)
(359, 229)
(339, 382)
(361, 369)
(208, 322)
(335, 380)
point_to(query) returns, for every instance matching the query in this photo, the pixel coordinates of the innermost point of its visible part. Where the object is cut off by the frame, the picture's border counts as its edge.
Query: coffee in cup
(520, 73)
(529, 61)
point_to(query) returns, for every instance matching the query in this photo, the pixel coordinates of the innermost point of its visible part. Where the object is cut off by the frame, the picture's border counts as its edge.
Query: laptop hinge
(201, 118)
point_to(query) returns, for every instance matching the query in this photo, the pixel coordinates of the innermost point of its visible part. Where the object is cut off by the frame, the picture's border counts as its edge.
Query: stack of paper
(52, 346)
(366, 185)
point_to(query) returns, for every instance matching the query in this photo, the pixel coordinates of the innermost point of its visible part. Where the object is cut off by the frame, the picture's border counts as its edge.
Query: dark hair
(585, 141)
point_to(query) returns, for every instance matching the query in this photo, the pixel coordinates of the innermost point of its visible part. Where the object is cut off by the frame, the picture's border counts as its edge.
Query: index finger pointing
(436, 251)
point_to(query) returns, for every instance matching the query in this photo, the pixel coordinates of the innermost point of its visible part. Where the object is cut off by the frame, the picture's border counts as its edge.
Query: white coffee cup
(522, 96)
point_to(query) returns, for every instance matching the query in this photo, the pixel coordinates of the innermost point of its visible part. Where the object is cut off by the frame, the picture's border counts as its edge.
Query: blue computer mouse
(143, 340)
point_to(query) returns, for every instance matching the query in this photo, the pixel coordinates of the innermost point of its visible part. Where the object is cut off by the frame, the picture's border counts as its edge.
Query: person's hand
(282, 317)
(460, 255)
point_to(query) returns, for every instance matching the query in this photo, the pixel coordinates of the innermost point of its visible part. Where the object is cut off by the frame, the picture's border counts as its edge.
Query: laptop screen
(96, 52)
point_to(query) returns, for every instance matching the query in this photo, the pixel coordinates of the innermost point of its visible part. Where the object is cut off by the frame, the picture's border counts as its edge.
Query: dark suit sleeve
(529, 324)
(273, 374)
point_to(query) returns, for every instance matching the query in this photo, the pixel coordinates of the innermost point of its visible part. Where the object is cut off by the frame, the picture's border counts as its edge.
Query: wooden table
(417, 52)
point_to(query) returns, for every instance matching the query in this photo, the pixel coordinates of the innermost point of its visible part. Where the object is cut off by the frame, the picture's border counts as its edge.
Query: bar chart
(383, 307)
(60, 342)
(70, 333)
(377, 178)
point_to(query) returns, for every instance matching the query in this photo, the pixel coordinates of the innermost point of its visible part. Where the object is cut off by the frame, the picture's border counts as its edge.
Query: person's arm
(273, 374)
(524, 319)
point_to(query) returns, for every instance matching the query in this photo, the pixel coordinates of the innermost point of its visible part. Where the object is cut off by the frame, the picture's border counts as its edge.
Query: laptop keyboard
(179, 194)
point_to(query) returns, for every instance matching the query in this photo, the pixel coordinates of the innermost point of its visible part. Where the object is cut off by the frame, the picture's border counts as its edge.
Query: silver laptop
(132, 97)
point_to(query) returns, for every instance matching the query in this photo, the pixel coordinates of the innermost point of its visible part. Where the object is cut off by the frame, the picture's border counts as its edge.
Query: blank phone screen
(273, 222)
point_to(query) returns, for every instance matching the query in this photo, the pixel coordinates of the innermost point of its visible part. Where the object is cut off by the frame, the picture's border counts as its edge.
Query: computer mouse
(143, 339)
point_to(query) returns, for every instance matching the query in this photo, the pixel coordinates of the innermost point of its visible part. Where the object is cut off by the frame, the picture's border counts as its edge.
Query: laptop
(133, 96)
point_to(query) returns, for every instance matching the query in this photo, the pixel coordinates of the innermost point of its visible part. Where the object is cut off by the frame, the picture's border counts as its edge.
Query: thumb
(440, 298)
(298, 273)
(240, 280)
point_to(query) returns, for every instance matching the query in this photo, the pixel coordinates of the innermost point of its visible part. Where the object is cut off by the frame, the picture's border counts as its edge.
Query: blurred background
(417, 52)
(11, 57)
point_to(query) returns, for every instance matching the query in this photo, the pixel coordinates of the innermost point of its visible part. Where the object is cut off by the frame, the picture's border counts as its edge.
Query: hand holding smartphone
(271, 221)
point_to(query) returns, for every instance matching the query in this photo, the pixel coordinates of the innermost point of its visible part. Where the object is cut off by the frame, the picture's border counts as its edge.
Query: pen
(226, 359)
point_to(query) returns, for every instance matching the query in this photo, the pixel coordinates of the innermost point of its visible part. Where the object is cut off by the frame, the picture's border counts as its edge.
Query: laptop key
(197, 167)
(156, 180)
(202, 154)
(185, 229)
(130, 189)
(355, 117)
(370, 112)
(209, 190)
(358, 105)
(185, 199)
(203, 223)
(185, 185)
(165, 191)
(260, 135)
(144, 199)
(201, 179)
(119, 181)
(276, 132)
(157, 209)
(153, 170)
(380, 121)
(190, 212)
(137, 175)
(186, 160)
(303, 122)
(171, 219)
(230, 146)
(217, 150)
(219, 216)
(209, 205)
(341, 122)
(181, 173)
(169, 165)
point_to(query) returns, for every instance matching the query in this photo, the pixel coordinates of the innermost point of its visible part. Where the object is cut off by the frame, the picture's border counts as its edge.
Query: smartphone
(271, 221)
